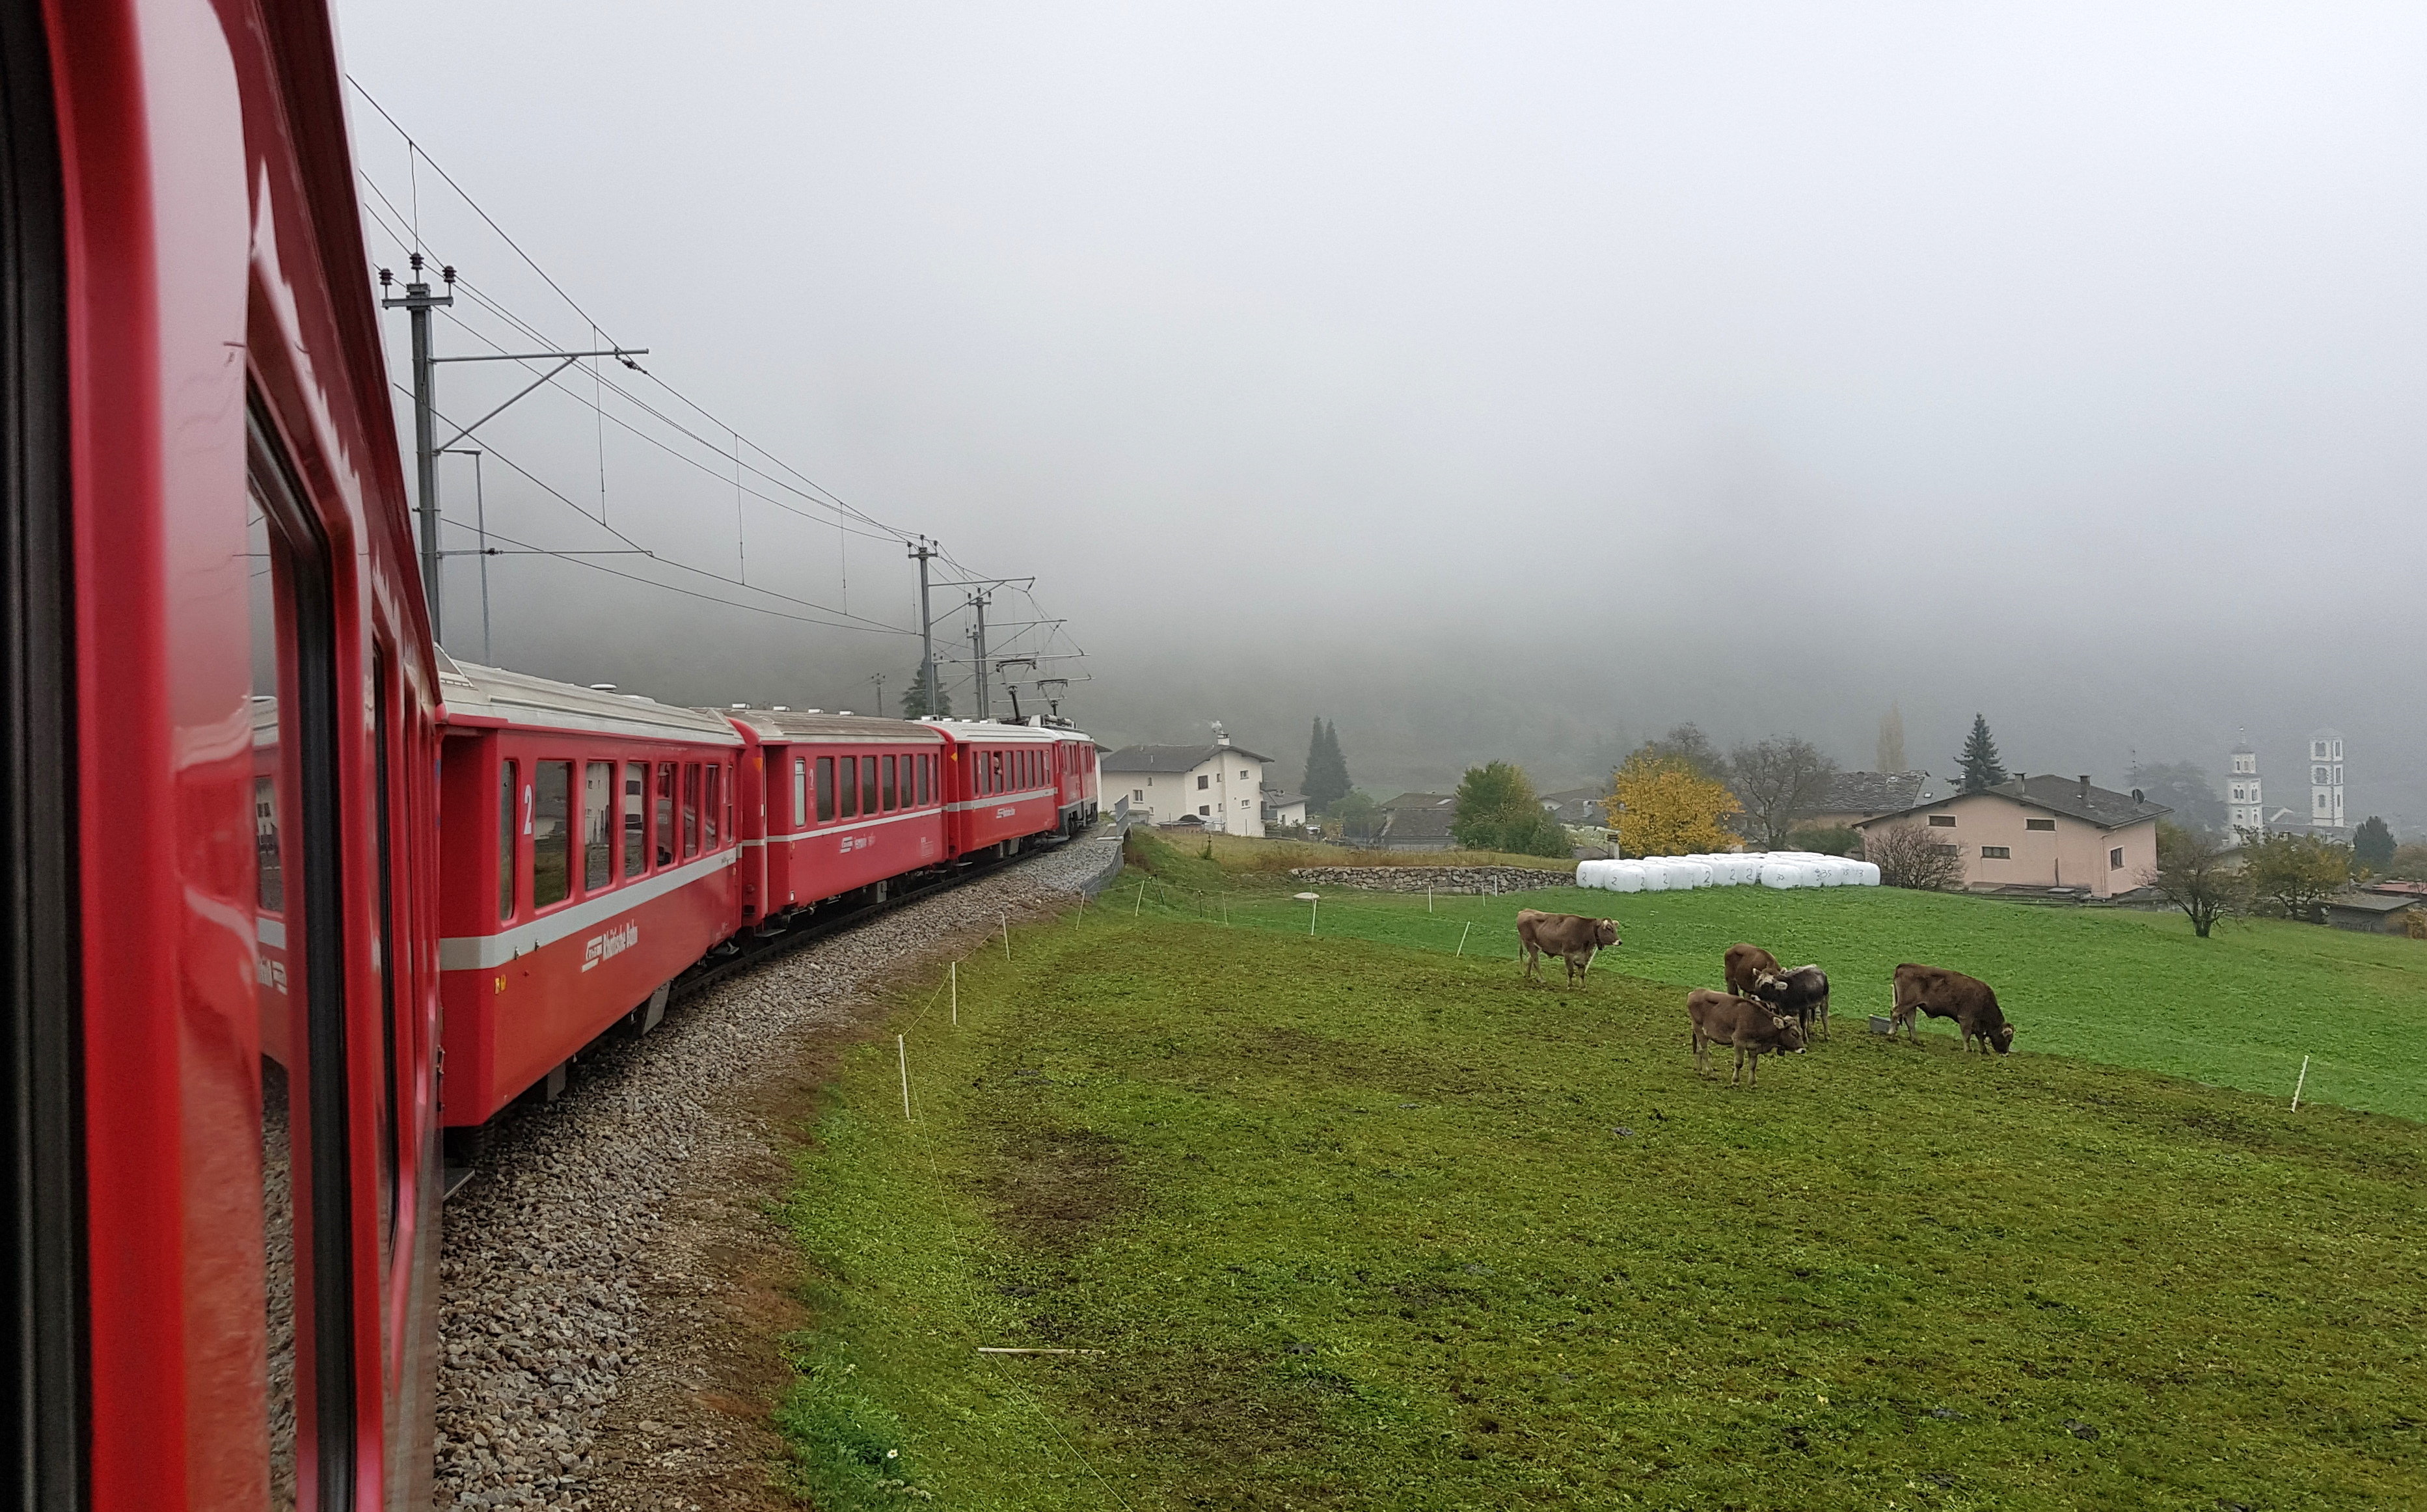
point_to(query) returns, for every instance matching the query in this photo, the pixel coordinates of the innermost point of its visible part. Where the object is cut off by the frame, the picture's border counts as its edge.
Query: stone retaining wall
(1440, 879)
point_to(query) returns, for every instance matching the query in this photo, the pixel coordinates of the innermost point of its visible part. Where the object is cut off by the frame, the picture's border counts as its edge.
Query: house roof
(1575, 795)
(1876, 792)
(1169, 757)
(1421, 801)
(2102, 807)
(1420, 823)
(1281, 800)
(2371, 902)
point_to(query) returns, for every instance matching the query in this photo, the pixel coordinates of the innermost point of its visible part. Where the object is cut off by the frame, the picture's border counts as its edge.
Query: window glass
(868, 784)
(826, 788)
(508, 793)
(636, 818)
(2115, 858)
(665, 825)
(384, 1109)
(691, 809)
(920, 767)
(598, 824)
(306, 1367)
(712, 806)
(551, 833)
(800, 790)
(892, 794)
(850, 786)
(732, 786)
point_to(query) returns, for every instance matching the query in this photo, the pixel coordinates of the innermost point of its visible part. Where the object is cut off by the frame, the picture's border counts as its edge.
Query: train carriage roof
(491, 697)
(783, 726)
(971, 731)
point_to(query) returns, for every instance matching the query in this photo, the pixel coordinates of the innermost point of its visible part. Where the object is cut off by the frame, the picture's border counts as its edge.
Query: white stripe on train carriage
(789, 837)
(1022, 796)
(479, 953)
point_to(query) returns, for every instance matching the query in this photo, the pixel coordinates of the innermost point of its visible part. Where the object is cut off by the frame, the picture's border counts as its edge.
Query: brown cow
(1746, 1023)
(1571, 938)
(1944, 994)
(1746, 965)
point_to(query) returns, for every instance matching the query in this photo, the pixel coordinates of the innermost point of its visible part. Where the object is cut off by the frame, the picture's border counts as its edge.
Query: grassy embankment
(2238, 1009)
(1358, 1225)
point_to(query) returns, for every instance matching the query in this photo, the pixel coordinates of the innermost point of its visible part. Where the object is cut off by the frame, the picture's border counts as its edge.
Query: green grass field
(2238, 1009)
(1359, 1226)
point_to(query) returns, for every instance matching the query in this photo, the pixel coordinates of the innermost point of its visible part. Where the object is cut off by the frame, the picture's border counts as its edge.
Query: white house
(1285, 808)
(1219, 786)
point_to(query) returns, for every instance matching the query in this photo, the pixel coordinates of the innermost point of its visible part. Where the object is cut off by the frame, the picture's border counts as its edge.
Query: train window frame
(800, 815)
(634, 833)
(662, 836)
(847, 784)
(868, 806)
(825, 789)
(509, 777)
(598, 855)
(711, 808)
(892, 787)
(303, 587)
(688, 810)
(561, 839)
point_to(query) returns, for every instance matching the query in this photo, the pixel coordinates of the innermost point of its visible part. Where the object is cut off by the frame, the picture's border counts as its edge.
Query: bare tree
(1908, 855)
(2197, 875)
(1779, 781)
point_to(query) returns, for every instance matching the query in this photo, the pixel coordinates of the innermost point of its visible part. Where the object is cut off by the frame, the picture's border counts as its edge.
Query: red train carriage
(842, 801)
(1001, 789)
(590, 854)
(1074, 767)
(217, 731)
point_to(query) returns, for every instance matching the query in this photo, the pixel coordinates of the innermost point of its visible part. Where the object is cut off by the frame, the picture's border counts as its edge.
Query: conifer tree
(915, 702)
(1326, 771)
(1982, 768)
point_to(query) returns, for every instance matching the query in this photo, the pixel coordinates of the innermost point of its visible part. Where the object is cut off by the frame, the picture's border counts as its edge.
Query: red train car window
(850, 786)
(868, 784)
(507, 793)
(924, 799)
(800, 792)
(551, 833)
(893, 793)
(712, 806)
(826, 788)
(598, 826)
(636, 818)
(691, 809)
(665, 826)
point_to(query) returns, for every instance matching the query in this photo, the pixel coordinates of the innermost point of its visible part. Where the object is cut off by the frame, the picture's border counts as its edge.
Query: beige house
(2044, 832)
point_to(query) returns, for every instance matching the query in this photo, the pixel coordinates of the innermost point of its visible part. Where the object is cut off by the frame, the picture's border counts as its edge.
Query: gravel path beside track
(613, 1287)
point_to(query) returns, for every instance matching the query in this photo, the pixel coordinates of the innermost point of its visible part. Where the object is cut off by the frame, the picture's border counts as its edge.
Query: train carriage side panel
(852, 801)
(598, 863)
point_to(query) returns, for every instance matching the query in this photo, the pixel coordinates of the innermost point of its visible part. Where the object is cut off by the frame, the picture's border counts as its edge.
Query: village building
(2372, 910)
(1418, 821)
(1855, 796)
(2244, 808)
(1577, 805)
(2326, 785)
(2042, 832)
(1287, 809)
(1218, 786)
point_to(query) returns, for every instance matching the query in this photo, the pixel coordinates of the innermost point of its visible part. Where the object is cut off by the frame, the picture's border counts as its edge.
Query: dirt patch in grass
(1053, 1185)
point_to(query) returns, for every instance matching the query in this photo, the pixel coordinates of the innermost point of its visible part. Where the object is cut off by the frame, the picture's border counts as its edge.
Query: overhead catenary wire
(750, 463)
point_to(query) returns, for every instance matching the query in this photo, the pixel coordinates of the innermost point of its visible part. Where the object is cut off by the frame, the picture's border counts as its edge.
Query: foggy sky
(1496, 380)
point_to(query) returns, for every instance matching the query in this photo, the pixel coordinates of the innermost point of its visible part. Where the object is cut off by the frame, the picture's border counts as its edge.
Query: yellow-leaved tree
(1661, 806)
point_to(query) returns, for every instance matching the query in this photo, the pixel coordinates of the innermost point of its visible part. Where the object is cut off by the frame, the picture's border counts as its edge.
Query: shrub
(1908, 855)
(1833, 839)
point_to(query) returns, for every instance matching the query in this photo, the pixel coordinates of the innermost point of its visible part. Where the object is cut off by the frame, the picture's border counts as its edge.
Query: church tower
(2244, 808)
(2326, 779)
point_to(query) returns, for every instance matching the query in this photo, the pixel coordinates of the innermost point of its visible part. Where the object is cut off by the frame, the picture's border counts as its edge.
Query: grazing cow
(1746, 965)
(1746, 1023)
(1801, 995)
(1571, 938)
(1944, 994)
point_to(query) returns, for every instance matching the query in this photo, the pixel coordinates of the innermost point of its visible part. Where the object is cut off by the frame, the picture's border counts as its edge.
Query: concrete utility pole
(418, 303)
(977, 637)
(925, 552)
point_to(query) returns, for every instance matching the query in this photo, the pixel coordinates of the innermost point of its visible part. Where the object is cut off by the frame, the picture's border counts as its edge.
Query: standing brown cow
(1571, 938)
(1746, 1023)
(1944, 994)
(1746, 965)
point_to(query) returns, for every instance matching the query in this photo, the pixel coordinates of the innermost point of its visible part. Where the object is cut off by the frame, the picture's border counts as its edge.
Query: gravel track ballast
(541, 1320)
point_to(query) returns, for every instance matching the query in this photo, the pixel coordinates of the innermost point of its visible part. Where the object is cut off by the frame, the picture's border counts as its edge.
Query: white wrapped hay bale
(1697, 874)
(1654, 873)
(1787, 872)
(1592, 873)
(1624, 876)
(1867, 874)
